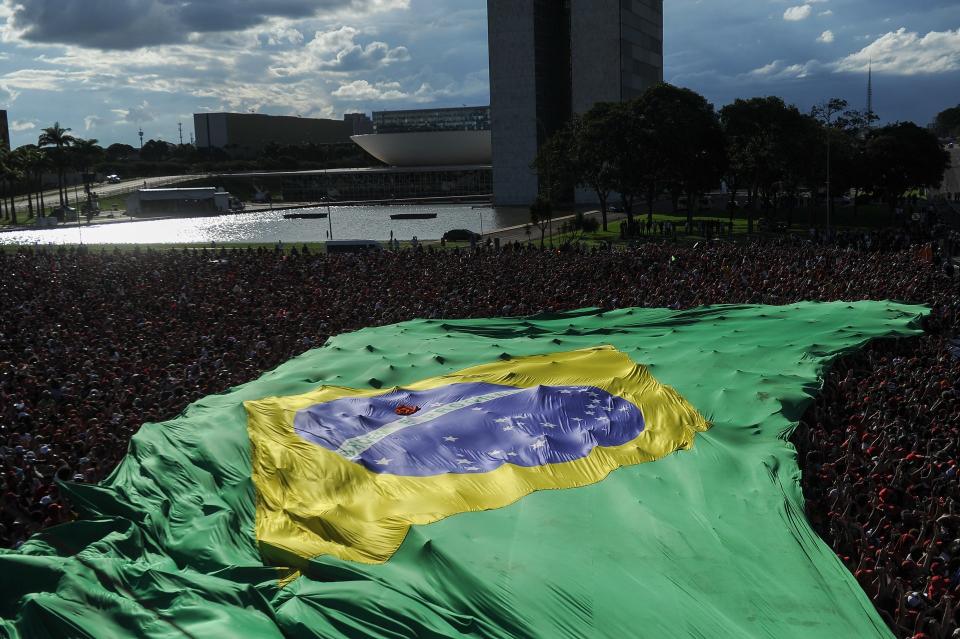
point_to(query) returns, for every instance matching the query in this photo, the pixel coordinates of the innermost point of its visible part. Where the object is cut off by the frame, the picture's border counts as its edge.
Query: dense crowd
(94, 343)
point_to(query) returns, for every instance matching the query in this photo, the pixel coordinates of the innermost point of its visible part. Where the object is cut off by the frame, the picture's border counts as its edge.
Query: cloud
(135, 114)
(92, 122)
(20, 126)
(801, 12)
(779, 70)
(280, 35)
(39, 79)
(337, 51)
(131, 24)
(362, 90)
(826, 37)
(905, 52)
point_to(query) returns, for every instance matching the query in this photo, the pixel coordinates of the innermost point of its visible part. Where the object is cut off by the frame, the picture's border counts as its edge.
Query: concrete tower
(552, 58)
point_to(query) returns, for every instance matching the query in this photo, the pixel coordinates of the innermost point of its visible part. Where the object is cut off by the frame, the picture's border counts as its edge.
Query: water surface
(349, 222)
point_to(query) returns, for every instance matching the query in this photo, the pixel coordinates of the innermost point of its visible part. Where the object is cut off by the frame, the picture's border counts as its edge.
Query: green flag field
(367, 489)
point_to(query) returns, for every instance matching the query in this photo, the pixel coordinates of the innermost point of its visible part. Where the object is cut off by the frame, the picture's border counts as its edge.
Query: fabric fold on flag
(355, 490)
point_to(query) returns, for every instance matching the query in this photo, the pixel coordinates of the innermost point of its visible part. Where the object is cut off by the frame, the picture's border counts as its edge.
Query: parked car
(461, 235)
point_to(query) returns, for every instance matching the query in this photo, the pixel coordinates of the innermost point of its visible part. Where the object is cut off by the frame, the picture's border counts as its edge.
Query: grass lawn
(107, 203)
(870, 216)
(23, 219)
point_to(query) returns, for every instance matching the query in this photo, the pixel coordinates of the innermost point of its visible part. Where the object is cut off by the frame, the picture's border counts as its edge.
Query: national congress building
(550, 59)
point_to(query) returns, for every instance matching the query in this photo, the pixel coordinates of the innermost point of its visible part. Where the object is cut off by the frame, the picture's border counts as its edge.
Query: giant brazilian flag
(590, 474)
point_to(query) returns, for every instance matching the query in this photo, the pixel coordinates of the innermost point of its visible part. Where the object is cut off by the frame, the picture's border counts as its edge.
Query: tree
(764, 137)
(5, 178)
(15, 172)
(120, 152)
(633, 168)
(541, 213)
(684, 140)
(32, 162)
(85, 154)
(947, 123)
(59, 137)
(155, 151)
(902, 157)
(593, 136)
(556, 171)
(825, 114)
(42, 165)
(848, 138)
(555, 166)
(802, 167)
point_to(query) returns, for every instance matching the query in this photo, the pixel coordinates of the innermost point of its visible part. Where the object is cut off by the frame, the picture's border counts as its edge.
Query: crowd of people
(95, 342)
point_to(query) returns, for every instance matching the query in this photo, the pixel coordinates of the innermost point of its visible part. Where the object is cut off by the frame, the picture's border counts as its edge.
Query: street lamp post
(829, 192)
(827, 111)
(329, 216)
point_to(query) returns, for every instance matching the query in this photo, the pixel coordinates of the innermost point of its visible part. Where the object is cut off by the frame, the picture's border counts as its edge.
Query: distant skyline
(107, 67)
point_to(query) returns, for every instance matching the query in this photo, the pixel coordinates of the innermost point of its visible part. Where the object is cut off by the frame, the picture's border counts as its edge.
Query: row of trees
(947, 123)
(22, 169)
(672, 143)
(59, 152)
(182, 158)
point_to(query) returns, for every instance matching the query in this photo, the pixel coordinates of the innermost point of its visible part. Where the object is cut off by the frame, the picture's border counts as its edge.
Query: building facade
(430, 137)
(386, 183)
(432, 120)
(246, 134)
(4, 131)
(360, 123)
(550, 59)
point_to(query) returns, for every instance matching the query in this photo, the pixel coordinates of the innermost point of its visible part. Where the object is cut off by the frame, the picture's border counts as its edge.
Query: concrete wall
(4, 131)
(248, 133)
(616, 53)
(210, 130)
(641, 45)
(513, 104)
(595, 52)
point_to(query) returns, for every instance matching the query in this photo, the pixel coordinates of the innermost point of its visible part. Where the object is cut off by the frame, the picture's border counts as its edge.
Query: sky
(106, 68)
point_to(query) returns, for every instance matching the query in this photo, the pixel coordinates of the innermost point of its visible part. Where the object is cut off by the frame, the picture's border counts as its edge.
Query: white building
(428, 148)
(457, 136)
(185, 202)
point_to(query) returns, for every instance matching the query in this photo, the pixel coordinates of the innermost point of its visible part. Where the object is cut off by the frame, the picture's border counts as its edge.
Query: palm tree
(30, 161)
(5, 174)
(14, 173)
(11, 172)
(59, 137)
(43, 163)
(84, 154)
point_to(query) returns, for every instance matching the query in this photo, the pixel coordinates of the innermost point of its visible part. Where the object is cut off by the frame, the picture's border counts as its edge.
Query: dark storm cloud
(128, 24)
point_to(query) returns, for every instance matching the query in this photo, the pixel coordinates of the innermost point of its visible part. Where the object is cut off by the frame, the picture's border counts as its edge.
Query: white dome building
(429, 148)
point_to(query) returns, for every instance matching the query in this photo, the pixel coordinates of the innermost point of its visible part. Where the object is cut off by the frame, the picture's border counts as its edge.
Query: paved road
(108, 190)
(519, 234)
